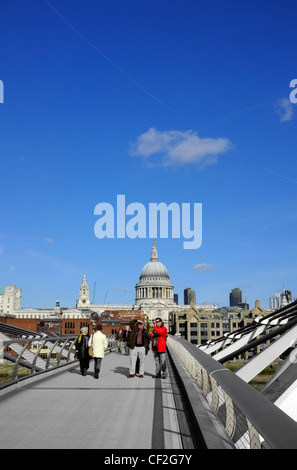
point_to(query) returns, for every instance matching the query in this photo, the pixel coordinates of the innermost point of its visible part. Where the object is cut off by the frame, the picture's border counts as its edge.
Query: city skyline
(168, 102)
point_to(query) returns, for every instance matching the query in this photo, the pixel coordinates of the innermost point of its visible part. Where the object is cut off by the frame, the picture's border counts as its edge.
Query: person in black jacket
(139, 344)
(81, 346)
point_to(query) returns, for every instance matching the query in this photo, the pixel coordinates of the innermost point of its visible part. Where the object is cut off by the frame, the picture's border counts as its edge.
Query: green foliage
(6, 370)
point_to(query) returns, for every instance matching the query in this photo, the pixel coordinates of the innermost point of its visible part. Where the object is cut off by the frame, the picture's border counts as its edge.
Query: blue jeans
(160, 362)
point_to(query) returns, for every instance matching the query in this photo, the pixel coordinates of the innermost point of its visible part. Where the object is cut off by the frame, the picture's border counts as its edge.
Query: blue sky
(161, 101)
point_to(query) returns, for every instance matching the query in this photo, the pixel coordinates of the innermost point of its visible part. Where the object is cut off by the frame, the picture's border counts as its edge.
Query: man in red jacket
(158, 338)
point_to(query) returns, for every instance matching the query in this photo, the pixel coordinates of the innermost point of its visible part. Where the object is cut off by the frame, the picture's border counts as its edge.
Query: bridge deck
(71, 411)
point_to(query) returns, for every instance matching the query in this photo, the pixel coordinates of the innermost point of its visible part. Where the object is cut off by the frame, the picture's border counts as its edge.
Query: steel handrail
(65, 345)
(251, 420)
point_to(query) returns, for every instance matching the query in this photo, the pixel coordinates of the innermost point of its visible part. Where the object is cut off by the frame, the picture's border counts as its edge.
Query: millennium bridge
(201, 404)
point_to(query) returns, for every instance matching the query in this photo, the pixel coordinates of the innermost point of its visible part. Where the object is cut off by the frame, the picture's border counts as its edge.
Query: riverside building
(154, 297)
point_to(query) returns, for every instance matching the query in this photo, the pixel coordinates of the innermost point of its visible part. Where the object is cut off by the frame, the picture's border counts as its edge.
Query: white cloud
(179, 147)
(51, 262)
(203, 267)
(284, 109)
(121, 289)
(49, 240)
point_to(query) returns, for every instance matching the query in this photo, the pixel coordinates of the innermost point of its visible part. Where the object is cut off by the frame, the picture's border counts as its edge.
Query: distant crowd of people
(135, 339)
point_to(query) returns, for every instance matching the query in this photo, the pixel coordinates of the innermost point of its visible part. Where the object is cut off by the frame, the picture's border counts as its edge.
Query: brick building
(112, 321)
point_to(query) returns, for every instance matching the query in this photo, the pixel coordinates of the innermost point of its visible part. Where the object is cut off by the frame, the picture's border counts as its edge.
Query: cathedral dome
(154, 285)
(154, 268)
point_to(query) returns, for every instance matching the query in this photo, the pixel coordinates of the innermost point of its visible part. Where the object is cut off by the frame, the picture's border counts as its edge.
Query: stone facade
(199, 325)
(10, 299)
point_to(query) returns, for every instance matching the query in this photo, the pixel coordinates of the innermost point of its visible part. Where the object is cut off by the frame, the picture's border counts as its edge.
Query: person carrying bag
(99, 343)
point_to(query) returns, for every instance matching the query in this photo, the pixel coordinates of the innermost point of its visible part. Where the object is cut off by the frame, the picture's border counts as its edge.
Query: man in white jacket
(99, 343)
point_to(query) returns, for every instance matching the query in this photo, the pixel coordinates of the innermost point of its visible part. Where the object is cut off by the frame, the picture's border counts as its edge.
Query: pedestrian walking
(120, 339)
(138, 343)
(99, 343)
(127, 333)
(158, 338)
(81, 347)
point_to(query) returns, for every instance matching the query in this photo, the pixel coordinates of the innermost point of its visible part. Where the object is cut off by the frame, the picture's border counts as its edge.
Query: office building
(235, 297)
(189, 296)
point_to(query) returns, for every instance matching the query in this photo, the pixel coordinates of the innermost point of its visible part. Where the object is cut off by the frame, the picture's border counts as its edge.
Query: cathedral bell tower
(84, 296)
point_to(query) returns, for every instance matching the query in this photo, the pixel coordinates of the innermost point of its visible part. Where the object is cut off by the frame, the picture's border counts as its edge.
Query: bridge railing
(40, 355)
(250, 420)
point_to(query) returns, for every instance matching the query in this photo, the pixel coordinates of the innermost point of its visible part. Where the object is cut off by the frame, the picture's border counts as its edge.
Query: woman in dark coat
(82, 352)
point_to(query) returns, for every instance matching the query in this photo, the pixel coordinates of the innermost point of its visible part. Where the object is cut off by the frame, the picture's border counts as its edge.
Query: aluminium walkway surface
(70, 411)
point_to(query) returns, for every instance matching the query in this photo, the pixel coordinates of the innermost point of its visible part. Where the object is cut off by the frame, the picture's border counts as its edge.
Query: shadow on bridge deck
(69, 411)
